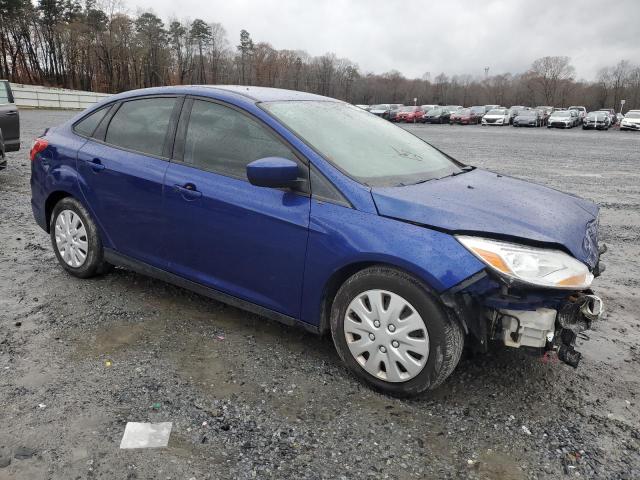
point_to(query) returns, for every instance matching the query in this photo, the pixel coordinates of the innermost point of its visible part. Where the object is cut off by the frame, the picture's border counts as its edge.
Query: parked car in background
(619, 117)
(312, 212)
(426, 108)
(465, 116)
(479, 110)
(492, 107)
(528, 118)
(563, 119)
(514, 110)
(437, 115)
(9, 123)
(612, 115)
(381, 110)
(596, 121)
(496, 116)
(393, 113)
(582, 112)
(545, 111)
(631, 120)
(410, 114)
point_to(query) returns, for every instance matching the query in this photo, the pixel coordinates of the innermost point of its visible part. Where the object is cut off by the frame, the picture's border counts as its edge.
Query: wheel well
(51, 202)
(333, 285)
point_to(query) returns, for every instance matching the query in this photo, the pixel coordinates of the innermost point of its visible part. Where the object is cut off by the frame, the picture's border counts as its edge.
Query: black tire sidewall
(429, 308)
(95, 256)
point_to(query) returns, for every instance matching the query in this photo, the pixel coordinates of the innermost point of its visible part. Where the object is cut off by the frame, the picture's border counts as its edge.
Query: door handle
(188, 191)
(12, 112)
(96, 165)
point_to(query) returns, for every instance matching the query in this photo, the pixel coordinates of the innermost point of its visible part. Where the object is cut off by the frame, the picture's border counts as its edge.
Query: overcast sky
(421, 36)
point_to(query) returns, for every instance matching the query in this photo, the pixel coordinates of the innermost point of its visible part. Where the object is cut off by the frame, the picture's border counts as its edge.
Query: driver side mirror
(273, 172)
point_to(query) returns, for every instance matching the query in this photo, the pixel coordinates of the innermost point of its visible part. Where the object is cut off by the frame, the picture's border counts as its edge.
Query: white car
(497, 116)
(631, 120)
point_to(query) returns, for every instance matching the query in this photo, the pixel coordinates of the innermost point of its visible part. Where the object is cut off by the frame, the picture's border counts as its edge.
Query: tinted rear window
(5, 94)
(88, 124)
(141, 125)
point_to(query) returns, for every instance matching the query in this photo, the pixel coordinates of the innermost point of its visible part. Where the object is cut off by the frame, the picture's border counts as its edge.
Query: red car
(465, 116)
(410, 114)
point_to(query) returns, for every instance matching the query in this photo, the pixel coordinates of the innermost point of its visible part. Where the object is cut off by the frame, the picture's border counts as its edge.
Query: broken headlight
(536, 266)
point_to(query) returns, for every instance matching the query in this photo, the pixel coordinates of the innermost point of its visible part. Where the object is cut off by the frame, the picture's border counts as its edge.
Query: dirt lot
(250, 398)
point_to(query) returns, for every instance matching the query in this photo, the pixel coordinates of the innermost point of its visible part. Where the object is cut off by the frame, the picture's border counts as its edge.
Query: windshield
(463, 112)
(527, 113)
(365, 147)
(477, 109)
(561, 114)
(594, 115)
(383, 106)
(497, 111)
(632, 115)
(408, 109)
(435, 111)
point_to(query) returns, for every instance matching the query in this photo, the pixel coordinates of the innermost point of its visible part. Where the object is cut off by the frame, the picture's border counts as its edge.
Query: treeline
(65, 43)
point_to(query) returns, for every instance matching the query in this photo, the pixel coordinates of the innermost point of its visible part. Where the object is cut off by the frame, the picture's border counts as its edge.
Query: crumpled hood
(485, 203)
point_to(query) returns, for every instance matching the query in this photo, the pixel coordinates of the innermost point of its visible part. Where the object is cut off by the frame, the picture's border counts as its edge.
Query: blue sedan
(311, 211)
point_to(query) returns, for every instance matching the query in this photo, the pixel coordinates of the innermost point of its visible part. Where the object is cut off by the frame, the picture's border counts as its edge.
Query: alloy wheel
(71, 238)
(386, 335)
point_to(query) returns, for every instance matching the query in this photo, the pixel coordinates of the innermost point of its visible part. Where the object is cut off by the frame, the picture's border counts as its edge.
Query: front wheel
(393, 333)
(75, 240)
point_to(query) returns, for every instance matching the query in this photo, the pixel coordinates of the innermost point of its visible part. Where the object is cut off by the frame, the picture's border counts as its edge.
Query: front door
(223, 232)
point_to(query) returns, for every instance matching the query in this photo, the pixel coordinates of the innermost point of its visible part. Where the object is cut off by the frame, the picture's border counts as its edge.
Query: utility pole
(486, 72)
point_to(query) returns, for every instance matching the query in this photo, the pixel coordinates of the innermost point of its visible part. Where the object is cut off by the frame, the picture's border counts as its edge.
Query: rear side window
(5, 93)
(222, 140)
(88, 124)
(141, 125)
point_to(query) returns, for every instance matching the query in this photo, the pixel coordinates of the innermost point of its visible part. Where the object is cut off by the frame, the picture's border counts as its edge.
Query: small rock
(22, 453)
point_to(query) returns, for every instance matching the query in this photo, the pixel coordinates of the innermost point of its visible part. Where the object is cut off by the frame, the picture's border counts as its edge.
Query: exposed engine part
(578, 314)
(566, 351)
(575, 317)
(527, 328)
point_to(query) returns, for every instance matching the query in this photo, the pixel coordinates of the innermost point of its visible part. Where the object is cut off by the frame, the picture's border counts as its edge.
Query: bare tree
(549, 73)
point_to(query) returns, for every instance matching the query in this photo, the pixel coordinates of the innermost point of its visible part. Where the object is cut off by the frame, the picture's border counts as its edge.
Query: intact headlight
(536, 266)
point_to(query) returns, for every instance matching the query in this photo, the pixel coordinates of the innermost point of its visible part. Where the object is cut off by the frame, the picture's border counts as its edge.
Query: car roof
(248, 93)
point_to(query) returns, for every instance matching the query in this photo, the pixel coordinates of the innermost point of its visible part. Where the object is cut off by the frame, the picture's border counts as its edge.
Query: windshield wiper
(465, 169)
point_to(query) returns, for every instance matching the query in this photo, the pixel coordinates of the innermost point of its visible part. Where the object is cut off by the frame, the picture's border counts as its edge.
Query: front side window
(141, 125)
(222, 140)
(365, 147)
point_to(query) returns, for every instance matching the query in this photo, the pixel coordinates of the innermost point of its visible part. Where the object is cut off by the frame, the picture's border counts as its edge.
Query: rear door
(223, 232)
(122, 168)
(9, 118)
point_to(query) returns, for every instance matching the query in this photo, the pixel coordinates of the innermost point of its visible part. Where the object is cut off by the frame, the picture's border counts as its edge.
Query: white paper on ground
(146, 435)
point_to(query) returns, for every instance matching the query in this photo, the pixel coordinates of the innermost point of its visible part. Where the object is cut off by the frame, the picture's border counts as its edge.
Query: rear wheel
(393, 333)
(75, 240)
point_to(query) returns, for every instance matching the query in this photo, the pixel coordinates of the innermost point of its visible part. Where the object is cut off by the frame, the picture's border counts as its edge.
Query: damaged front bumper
(543, 321)
(547, 329)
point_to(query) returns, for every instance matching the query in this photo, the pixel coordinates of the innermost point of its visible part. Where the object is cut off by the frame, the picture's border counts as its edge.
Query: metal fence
(47, 97)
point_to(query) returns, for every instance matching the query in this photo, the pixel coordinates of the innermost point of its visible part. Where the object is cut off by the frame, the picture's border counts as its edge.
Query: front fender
(340, 237)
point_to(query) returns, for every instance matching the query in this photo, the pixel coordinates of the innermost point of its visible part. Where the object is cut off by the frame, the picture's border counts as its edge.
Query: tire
(444, 337)
(88, 240)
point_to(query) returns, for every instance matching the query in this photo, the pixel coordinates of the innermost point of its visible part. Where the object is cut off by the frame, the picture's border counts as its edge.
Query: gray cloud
(454, 37)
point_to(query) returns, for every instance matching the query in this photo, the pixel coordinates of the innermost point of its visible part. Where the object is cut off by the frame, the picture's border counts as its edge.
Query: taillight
(38, 146)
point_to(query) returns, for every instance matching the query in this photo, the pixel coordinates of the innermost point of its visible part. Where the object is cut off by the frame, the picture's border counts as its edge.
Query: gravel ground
(250, 398)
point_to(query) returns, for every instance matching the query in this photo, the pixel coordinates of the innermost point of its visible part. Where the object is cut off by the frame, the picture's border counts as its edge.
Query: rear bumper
(11, 145)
